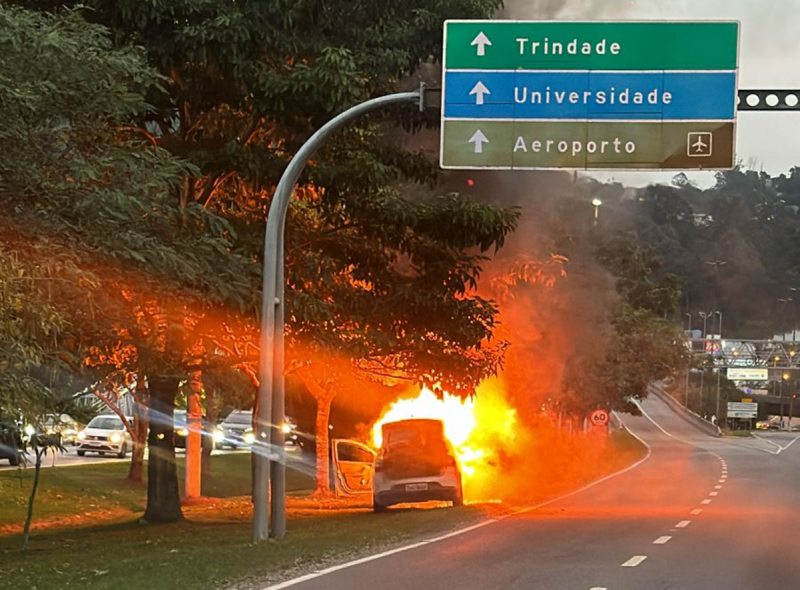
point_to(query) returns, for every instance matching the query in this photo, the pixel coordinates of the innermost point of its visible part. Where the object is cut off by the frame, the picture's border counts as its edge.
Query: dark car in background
(235, 431)
(63, 428)
(10, 442)
(181, 431)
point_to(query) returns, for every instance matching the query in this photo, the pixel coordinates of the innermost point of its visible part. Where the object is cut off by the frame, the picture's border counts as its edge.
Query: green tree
(94, 202)
(645, 346)
(371, 272)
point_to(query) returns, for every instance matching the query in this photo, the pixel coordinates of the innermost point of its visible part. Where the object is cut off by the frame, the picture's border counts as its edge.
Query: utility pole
(719, 368)
(705, 316)
(783, 301)
(269, 458)
(689, 365)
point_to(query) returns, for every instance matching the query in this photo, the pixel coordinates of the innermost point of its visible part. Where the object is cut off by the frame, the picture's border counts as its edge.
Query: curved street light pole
(268, 451)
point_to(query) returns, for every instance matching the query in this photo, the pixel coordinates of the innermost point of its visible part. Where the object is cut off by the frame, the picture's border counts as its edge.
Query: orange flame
(478, 428)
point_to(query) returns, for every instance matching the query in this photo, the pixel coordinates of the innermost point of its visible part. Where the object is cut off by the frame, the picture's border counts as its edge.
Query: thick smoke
(565, 9)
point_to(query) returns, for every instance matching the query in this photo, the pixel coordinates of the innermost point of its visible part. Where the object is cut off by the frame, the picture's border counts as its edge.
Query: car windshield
(239, 418)
(421, 433)
(106, 423)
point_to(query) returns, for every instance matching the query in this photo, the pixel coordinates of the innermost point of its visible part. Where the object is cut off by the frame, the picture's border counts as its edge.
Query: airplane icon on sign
(698, 144)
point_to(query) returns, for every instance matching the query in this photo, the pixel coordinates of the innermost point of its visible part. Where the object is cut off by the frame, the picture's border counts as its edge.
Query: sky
(769, 58)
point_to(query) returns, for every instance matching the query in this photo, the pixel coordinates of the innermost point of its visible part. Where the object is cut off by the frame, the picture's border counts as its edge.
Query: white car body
(105, 434)
(418, 466)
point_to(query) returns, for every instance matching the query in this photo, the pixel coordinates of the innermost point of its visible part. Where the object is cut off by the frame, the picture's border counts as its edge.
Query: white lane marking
(634, 561)
(697, 511)
(599, 588)
(349, 564)
(780, 448)
(706, 501)
(662, 540)
(717, 487)
(682, 524)
(791, 443)
(714, 494)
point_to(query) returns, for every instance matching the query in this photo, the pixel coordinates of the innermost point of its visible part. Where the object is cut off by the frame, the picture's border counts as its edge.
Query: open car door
(353, 464)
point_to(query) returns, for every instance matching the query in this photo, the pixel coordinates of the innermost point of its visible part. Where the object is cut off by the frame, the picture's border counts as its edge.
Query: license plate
(416, 487)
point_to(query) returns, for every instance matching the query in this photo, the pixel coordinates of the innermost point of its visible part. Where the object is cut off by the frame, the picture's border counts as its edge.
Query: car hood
(99, 431)
(237, 427)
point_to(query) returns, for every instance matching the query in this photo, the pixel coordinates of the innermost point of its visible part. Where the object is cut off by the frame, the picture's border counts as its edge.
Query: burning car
(416, 463)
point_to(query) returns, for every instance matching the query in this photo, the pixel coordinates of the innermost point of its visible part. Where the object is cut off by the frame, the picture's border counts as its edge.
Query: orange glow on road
(478, 428)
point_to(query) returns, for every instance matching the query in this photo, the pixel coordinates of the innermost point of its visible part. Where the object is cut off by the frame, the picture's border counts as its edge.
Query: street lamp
(722, 353)
(689, 366)
(784, 377)
(596, 204)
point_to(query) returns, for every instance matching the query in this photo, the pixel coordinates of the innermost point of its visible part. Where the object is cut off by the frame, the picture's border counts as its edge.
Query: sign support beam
(268, 449)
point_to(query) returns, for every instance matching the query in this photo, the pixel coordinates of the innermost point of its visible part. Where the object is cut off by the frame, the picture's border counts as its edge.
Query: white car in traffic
(105, 434)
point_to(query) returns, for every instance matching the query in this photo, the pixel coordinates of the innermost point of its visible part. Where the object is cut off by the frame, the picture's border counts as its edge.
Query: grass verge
(211, 549)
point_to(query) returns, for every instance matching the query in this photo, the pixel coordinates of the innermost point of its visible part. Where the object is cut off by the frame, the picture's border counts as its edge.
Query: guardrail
(688, 415)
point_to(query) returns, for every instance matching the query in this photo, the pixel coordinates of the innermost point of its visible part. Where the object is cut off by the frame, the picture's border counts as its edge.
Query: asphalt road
(698, 514)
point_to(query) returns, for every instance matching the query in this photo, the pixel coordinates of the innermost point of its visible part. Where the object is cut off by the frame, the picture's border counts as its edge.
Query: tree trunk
(29, 517)
(194, 440)
(139, 444)
(208, 440)
(323, 444)
(141, 425)
(163, 499)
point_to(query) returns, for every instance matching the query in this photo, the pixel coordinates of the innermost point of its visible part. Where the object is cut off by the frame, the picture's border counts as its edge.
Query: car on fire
(416, 463)
(105, 434)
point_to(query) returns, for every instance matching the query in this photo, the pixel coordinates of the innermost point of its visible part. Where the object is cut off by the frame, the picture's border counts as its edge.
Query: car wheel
(14, 460)
(81, 453)
(377, 507)
(459, 498)
(123, 452)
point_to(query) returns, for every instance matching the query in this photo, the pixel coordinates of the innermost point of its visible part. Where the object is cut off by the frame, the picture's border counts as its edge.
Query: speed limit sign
(599, 417)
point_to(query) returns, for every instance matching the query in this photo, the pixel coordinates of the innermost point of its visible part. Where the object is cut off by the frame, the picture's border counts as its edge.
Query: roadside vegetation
(89, 536)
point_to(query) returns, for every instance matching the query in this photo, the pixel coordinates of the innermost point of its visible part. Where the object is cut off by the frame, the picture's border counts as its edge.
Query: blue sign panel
(596, 95)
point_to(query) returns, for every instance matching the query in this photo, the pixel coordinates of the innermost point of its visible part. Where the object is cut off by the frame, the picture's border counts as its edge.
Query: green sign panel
(635, 95)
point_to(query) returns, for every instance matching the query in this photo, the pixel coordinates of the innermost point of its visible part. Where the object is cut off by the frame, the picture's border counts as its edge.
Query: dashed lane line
(634, 561)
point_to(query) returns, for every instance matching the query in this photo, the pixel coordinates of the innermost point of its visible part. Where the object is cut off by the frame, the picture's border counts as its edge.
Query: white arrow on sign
(479, 91)
(481, 41)
(478, 138)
